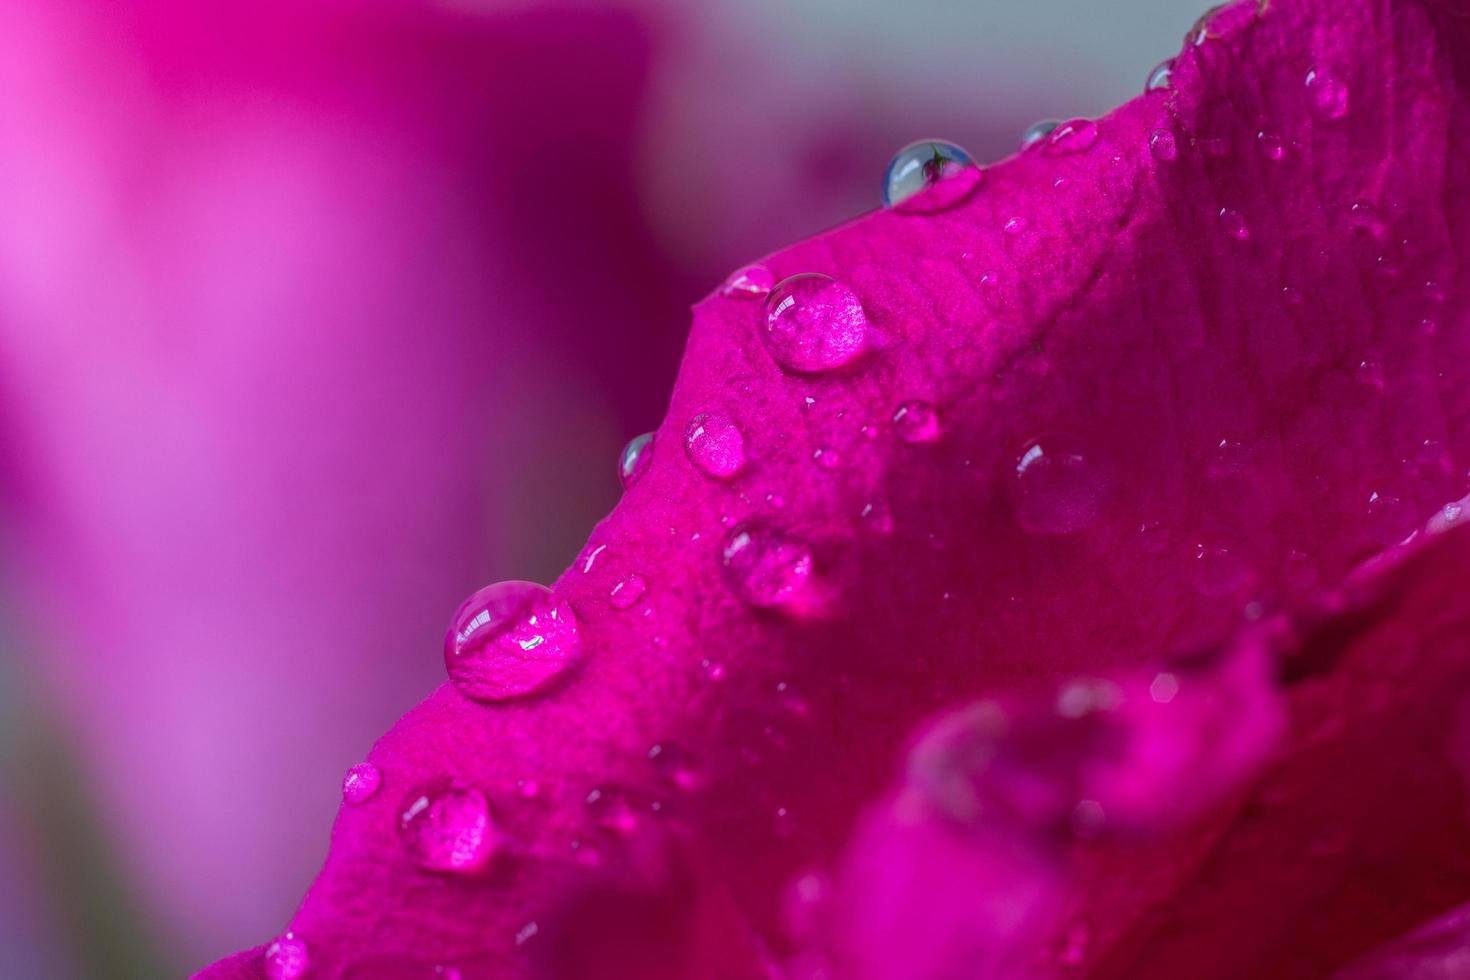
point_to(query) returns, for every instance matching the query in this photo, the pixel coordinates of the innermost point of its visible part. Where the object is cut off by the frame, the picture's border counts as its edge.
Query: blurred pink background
(311, 321)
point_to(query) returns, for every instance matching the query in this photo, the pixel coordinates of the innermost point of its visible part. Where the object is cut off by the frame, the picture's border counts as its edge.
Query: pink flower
(1190, 366)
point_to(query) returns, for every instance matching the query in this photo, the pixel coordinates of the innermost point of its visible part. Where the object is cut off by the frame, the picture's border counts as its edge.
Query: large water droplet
(928, 176)
(1037, 132)
(1327, 94)
(1158, 79)
(510, 639)
(916, 421)
(715, 445)
(751, 282)
(286, 958)
(764, 567)
(1058, 488)
(634, 459)
(446, 826)
(1073, 136)
(814, 323)
(627, 591)
(360, 783)
(1163, 145)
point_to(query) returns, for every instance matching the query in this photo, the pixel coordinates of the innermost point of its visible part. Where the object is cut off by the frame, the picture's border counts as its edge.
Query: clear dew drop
(446, 826)
(1270, 145)
(1072, 136)
(1327, 94)
(715, 445)
(510, 639)
(1037, 132)
(765, 567)
(929, 176)
(1160, 77)
(916, 421)
(360, 783)
(814, 323)
(1016, 226)
(627, 591)
(1058, 489)
(286, 958)
(751, 282)
(633, 461)
(1233, 224)
(1163, 145)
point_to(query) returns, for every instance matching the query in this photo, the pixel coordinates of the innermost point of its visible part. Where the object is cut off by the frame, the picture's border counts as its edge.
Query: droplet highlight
(509, 640)
(446, 826)
(627, 591)
(814, 323)
(764, 567)
(715, 445)
(635, 458)
(1058, 489)
(1163, 145)
(1327, 94)
(928, 176)
(360, 783)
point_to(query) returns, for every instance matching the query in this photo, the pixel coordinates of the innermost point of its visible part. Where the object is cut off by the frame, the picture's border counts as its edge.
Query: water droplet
(1233, 224)
(1328, 94)
(814, 323)
(783, 823)
(510, 639)
(1017, 226)
(610, 809)
(1370, 373)
(1218, 572)
(916, 421)
(713, 669)
(526, 933)
(751, 282)
(286, 958)
(715, 445)
(1163, 145)
(1037, 132)
(627, 591)
(876, 516)
(929, 176)
(827, 458)
(764, 567)
(1164, 687)
(675, 765)
(1058, 489)
(1200, 32)
(1159, 78)
(1271, 145)
(634, 459)
(1363, 218)
(360, 782)
(446, 826)
(1391, 518)
(1072, 136)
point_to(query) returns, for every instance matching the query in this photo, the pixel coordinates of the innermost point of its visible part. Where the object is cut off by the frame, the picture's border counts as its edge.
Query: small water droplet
(827, 458)
(765, 567)
(1327, 94)
(610, 808)
(1233, 224)
(715, 445)
(526, 933)
(360, 782)
(1058, 489)
(1163, 145)
(1200, 32)
(875, 515)
(713, 669)
(1391, 518)
(1370, 373)
(1017, 226)
(1219, 571)
(634, 459)
(510, 639)
(1271, 145)
(929, 176)
(1159, 78)
(783, 823)
(1072, 136)
(675, 765)
(446, 826)
(751, 282)
(286, 958)
(627, 591)
(1037, 132)
(916, 421)
(814, 323)
(1363, 218)
(1164, 687)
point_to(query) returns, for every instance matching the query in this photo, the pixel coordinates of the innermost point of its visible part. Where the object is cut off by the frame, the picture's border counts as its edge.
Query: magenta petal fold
(1189, 365)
